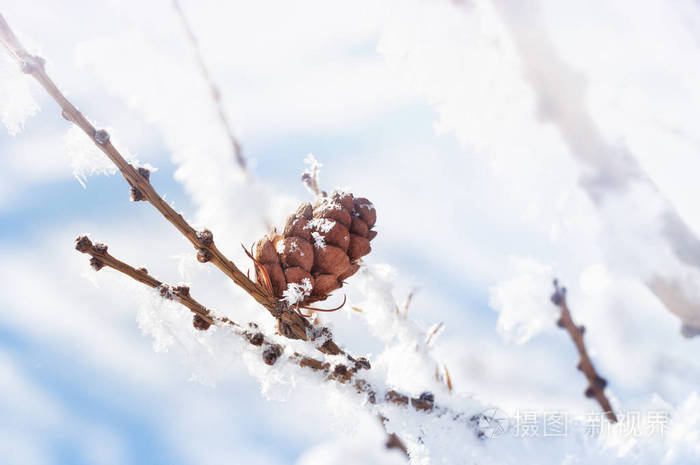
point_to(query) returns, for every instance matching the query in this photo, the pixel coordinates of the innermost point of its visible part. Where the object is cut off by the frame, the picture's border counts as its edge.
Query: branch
(204, 318)
(291, 324)
(213, 89)
(596, 387)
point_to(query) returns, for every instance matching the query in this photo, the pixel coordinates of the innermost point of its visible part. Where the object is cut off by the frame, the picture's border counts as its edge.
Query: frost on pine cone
(320, 247)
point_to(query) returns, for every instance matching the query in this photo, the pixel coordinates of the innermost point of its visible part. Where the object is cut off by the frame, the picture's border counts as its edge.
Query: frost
(319, 241)
(16, 100)
(297, 292)
(321, 224)
(87, 160)
(293, 247)
(523, 301)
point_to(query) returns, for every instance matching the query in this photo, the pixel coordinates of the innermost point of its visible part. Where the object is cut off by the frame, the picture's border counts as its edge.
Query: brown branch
(204, 318)
(213, 89)
(291, 324)
(596, 383)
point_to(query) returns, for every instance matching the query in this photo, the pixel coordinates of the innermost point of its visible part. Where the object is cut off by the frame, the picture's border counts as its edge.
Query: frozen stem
(596, 383)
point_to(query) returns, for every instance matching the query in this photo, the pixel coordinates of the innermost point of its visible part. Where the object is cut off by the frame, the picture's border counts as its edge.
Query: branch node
(96, 264)
(200, 323)
(31, 63)
(182, 291)
(203, 256)
(256, 339)
(145, 172)
(136, 195)
(362, 364)
(82, 244)
(166, 292)
(101, 137)
(100, 248)
(340, 371)
(205, 238)
(427, 397)
(271, 354)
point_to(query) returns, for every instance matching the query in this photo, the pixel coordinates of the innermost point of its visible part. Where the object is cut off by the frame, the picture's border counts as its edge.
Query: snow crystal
(16, 100)
(319, 241)
(320, 224)
(295, 293)
(293, 247)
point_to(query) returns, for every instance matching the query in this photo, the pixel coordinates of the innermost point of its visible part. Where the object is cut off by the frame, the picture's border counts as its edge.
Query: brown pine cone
(321, 246)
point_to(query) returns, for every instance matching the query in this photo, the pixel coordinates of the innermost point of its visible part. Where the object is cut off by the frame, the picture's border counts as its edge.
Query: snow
(17, 103)
(523, 301)
(321, 224)
(319, 240)
(297, 292)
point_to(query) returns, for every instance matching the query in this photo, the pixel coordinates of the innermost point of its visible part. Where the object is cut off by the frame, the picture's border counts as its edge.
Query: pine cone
(320, 247)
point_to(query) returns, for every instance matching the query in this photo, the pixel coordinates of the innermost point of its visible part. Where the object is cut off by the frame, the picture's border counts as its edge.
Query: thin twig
(291, 324)
(596, 383)
(213, 89)
(310, 176)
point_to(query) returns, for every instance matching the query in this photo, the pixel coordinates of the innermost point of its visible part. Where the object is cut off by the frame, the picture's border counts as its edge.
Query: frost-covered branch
(204, 318)
(291, 324)
(597, 383)
(213, 89)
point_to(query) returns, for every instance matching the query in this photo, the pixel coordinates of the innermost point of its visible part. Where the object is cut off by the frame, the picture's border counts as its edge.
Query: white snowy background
(503, 143)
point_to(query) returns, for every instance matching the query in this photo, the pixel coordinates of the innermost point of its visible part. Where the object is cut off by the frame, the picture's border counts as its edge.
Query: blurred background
(497, 140)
